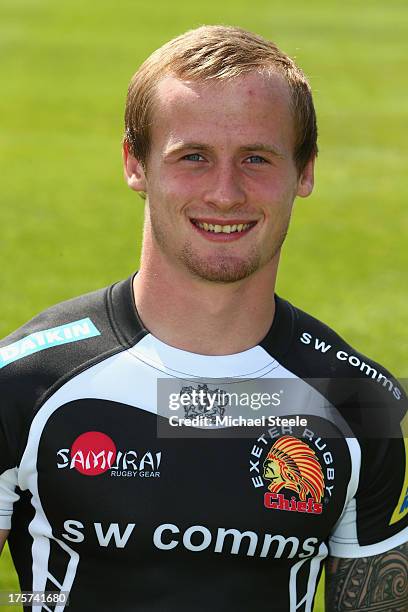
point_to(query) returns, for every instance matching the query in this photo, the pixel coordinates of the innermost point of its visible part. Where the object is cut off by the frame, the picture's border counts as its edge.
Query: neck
(202, 316)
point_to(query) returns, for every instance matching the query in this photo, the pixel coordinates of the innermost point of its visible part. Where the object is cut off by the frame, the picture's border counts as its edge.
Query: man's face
(220, 177)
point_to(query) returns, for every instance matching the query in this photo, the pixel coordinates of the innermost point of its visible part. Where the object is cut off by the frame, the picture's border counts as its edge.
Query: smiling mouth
(223, 229)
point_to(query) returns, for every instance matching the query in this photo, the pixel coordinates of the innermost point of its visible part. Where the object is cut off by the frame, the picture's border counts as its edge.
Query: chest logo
(93, 453)
(294, 469)
(292, 465)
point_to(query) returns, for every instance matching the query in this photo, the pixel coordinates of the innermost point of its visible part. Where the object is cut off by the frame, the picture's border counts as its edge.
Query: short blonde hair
(217, 52)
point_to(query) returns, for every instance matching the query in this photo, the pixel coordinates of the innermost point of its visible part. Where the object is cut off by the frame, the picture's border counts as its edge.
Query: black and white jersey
(116, 495)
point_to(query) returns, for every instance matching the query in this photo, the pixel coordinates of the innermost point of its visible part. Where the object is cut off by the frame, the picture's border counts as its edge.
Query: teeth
(225, 229)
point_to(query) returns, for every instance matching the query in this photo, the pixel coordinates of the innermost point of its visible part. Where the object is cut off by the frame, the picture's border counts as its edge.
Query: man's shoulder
(54, 347)
(362, 389)
(322, 350)
(60, 323)
(67, 335)
(313, 350)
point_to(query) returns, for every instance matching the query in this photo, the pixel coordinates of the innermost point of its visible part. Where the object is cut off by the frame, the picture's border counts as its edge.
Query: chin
(221, 269)
(222, 272)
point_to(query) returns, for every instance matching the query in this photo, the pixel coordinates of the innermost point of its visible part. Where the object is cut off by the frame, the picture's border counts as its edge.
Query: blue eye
(258, 159)
(193, 157)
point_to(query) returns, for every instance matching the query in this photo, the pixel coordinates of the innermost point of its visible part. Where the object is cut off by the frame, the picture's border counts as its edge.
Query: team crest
(291, 465)
(295, 471)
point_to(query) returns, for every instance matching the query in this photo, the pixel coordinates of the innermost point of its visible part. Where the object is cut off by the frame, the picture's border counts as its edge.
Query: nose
(225, 190)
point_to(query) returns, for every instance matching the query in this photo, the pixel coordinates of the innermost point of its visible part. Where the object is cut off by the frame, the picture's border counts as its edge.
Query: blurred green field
(69, 224)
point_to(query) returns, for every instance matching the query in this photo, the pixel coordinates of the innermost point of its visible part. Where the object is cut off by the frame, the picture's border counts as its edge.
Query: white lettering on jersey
(113, 530)
(237, 537)
(320, 345)
(73, 534)
(206, 533)
(282, 541)
(64, 454)
(309, 550)
(157, 536)
(197, 538)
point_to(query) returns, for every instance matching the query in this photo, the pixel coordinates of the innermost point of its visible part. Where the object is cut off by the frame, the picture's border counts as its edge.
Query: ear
(134, 172)
(306, 179)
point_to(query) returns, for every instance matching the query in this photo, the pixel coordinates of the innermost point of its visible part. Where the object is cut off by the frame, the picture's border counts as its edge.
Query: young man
(220, 139)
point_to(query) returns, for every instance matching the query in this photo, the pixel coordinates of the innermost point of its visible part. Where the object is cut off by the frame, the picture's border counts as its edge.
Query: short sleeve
(8, 496)
(9, 425)
(375, 520)
(12, 390)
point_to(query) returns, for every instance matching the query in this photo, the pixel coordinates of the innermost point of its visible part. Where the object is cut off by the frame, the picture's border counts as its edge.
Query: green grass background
(69, 224)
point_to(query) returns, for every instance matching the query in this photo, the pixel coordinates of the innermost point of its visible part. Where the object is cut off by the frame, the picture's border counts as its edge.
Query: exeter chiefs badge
(292, 464)
(293, 473)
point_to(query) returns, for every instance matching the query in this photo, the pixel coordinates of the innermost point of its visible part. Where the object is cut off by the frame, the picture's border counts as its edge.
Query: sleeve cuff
(339, 547)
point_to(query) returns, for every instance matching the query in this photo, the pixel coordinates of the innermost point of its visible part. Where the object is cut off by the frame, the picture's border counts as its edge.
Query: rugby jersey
(138, 476)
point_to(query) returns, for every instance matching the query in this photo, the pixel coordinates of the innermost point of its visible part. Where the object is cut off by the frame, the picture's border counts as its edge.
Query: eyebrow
(256, 146)
(260, 146)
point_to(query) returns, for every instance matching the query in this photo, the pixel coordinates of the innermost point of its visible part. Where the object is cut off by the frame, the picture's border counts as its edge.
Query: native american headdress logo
(292, 464)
